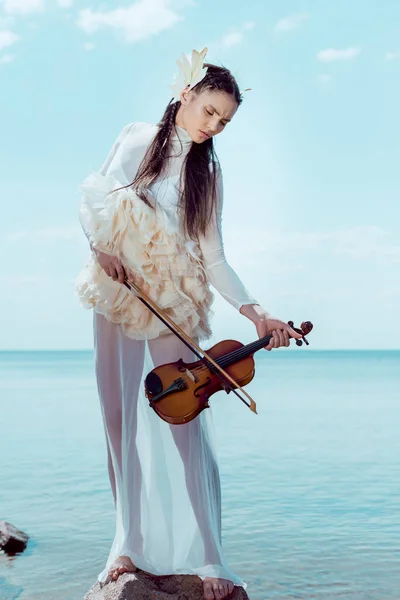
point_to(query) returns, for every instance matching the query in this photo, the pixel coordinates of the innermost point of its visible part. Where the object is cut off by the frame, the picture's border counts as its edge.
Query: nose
(212, 128)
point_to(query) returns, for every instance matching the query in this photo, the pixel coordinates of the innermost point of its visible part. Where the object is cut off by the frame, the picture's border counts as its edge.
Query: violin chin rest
(153, 384)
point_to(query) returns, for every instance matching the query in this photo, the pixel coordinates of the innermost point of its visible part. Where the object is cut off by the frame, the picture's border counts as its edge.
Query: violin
(179, 391)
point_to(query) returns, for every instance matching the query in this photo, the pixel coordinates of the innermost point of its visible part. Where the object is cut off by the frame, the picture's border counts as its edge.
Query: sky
(310, 160)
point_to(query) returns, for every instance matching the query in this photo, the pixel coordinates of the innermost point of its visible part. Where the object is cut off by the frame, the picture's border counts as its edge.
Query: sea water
(311, 484)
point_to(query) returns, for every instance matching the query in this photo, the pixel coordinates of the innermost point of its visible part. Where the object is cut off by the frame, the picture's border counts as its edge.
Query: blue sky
(311, 211)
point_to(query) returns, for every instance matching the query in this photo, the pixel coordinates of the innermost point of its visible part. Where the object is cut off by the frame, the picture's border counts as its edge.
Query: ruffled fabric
(163, 263)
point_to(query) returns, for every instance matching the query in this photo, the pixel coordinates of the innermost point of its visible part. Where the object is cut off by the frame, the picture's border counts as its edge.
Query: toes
(118, 569)
(208, 592)
(218, 591)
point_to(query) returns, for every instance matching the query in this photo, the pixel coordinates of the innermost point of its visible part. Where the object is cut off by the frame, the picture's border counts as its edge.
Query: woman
(162, 223)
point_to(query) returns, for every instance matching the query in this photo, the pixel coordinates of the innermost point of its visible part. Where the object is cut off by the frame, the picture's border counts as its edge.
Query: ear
(185, 95)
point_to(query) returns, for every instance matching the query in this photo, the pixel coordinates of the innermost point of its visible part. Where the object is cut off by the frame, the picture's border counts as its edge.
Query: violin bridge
(190, 375)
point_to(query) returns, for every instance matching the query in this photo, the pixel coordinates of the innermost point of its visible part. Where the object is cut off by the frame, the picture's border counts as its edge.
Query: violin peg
(305, 329)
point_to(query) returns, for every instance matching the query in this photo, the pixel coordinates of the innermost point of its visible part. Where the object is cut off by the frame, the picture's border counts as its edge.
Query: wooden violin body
(179, 391)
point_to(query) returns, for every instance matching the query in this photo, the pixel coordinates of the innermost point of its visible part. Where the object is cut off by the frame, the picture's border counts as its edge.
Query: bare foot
(216, 588)
(122, 564)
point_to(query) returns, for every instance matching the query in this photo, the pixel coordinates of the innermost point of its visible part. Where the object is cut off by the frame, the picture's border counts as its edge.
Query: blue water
(311, 485)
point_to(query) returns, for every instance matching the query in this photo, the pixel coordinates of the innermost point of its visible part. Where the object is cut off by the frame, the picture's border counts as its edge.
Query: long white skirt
(165, 478)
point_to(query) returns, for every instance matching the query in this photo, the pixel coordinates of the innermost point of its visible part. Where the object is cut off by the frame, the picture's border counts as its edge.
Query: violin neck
(243, 352)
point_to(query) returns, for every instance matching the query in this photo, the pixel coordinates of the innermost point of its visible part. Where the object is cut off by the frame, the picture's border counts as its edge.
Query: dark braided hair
(201, 164)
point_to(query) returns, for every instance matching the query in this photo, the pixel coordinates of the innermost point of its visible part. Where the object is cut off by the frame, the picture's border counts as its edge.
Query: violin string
(232, 356)
(211, 366)
(226, 360)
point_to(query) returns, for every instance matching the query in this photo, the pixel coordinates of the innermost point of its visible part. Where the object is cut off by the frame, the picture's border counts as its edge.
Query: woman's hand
(116, 270)
(280, 331)
(111, 265)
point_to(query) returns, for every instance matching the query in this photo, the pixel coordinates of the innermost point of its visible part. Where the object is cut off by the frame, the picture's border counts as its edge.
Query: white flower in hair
(191, 72)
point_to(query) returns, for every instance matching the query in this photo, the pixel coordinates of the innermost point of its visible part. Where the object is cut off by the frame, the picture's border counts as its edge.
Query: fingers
(120, 272)
(279, 338)
(113, 272)
(293, 333)
(286, 337)
(273, 342)
(114, 268)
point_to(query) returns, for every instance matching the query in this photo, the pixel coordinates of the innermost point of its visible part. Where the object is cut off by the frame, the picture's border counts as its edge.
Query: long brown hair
(199, 171)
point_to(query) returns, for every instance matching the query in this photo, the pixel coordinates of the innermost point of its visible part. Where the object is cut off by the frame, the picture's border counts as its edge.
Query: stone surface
(143, 586)
(12, 540)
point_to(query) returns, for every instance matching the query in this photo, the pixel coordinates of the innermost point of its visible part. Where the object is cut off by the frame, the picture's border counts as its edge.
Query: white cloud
(236, 35)
(7, 38)
(332, 54)
(89, 46)
(137, 21)
(7, 58)
(290, 23)
(232, 39)
(392, 55)
(22, 7)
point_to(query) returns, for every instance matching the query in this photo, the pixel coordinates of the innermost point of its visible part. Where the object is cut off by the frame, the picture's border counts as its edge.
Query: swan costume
(165, 478)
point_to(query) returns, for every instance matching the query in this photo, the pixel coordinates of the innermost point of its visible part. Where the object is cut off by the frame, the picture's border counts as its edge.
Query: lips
(204, 134)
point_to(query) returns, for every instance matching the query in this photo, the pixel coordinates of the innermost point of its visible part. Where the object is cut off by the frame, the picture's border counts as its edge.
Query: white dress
(165, 478)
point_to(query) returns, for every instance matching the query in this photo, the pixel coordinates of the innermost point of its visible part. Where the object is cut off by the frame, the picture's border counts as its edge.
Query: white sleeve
(220, 274)
(118, 142)
(104, 170)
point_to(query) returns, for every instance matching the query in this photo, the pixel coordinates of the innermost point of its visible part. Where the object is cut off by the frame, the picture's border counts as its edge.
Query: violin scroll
(305, 329)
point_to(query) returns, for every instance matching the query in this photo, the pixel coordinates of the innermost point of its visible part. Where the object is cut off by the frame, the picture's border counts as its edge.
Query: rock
(143, 586)
(12, 540)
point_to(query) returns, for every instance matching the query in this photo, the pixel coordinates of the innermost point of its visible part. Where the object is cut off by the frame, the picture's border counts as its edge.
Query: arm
(221, 275)
(94, 202)
(118, 142)
(228, 284)
(83, 216)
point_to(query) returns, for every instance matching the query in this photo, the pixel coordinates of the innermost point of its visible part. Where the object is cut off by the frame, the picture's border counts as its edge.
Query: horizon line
(308, 349)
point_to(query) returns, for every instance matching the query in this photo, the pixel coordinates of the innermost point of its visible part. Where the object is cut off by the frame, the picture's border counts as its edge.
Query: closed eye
(211, 114)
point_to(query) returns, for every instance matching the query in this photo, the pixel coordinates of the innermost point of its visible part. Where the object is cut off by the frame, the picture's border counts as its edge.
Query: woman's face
(206, 114)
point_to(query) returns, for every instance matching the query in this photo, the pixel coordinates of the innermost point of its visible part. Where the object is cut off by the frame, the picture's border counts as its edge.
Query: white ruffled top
(103, 214)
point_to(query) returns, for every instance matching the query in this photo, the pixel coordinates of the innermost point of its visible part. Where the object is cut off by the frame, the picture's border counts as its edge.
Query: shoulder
(140, 133)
